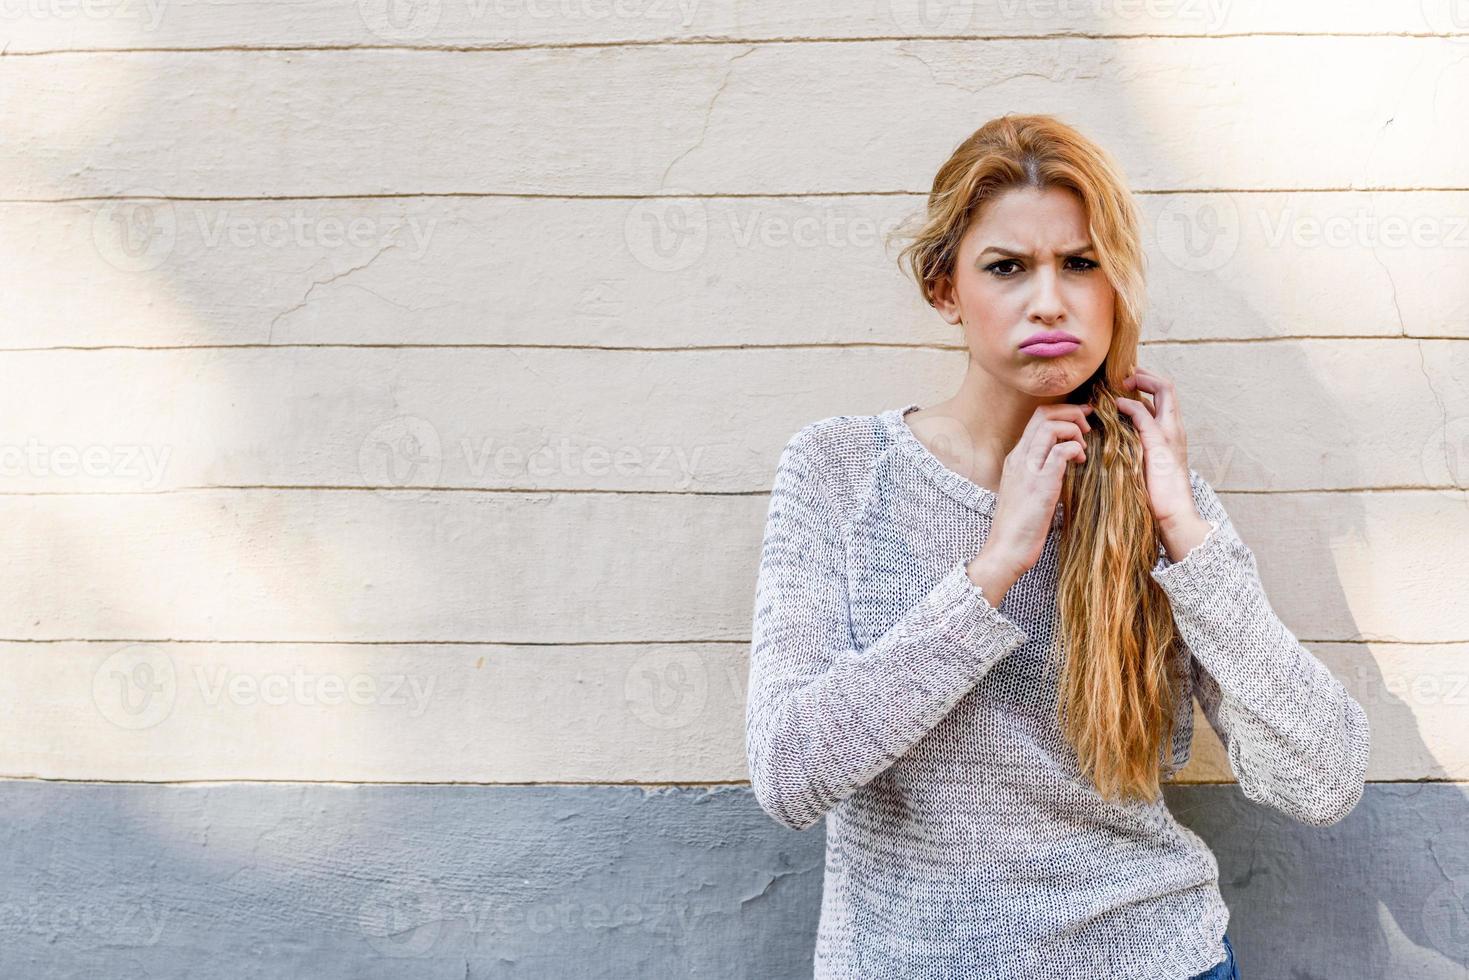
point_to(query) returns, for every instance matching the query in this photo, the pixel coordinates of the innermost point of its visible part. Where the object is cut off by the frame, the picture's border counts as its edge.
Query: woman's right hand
(1030, 487)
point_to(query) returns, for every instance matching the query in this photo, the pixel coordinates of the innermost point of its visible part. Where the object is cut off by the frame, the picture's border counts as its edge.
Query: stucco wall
(391, 396)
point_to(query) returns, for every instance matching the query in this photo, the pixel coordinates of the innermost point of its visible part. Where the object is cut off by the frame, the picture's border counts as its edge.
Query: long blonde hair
(1118, 681)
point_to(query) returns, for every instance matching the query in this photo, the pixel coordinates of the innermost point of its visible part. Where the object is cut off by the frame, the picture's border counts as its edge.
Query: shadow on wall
(282, 875)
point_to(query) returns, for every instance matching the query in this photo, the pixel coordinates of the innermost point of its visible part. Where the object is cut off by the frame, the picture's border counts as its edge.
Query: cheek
(989, 303)
(1100, 297)
(1092, 306)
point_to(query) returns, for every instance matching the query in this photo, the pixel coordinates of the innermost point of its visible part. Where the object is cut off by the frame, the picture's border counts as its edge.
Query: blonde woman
(980, 625)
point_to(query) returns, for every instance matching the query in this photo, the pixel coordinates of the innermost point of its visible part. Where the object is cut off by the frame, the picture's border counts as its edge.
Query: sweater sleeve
(1296, 740)
(824, 719)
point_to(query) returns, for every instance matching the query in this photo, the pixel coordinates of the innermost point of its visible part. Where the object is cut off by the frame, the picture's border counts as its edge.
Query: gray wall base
(561, 883)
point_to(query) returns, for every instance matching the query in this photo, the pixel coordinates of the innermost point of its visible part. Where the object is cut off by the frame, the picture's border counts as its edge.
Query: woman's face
(1026, 267)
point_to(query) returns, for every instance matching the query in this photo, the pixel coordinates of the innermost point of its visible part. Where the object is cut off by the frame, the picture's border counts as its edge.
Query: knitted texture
(888, 695)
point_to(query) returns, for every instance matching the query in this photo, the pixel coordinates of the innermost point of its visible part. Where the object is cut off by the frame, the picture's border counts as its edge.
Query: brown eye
(993, 268)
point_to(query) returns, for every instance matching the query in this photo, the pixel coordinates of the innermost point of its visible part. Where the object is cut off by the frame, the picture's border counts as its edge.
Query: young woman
(979, 626)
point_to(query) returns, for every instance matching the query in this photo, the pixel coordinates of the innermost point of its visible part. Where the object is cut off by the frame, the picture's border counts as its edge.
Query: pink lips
(1050, 343)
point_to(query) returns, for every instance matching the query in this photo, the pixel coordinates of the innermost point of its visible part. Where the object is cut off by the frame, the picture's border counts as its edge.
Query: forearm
(1296, 739)
(813, 743)
(992, 575)
(1182, 535)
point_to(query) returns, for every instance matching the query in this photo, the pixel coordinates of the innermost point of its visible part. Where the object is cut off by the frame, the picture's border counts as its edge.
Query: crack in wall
(708, 115)
(270, 332)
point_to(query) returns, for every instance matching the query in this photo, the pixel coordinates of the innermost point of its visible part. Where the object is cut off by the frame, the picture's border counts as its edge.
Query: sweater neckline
(956, 485)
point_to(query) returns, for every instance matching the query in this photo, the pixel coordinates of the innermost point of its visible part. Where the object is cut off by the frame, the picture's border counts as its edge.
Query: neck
(994, 415)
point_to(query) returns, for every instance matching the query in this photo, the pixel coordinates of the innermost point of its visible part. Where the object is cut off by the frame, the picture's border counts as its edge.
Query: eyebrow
(1018, 253)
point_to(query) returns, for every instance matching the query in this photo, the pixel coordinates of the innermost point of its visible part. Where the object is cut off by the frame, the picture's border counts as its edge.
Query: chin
(1050, 377)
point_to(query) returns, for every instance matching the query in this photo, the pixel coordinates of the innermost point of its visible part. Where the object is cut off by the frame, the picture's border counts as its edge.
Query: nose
(1046, 305)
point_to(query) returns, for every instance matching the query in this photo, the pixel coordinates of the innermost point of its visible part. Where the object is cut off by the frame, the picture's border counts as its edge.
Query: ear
(945, 301)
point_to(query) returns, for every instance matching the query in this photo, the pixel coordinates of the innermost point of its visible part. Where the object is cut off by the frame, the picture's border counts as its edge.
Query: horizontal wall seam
(729, 40)
(698, 196)
(694, 349)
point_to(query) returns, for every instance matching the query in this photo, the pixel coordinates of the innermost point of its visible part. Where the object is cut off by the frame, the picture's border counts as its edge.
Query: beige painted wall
(402, 407)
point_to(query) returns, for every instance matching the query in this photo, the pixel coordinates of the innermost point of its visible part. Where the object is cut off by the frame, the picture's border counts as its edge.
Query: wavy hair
(1118, 681)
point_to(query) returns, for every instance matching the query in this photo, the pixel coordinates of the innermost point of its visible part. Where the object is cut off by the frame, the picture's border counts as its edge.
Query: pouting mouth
(1050, 337)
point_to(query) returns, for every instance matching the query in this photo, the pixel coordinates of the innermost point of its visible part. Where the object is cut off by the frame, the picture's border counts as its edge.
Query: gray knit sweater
(889, 696)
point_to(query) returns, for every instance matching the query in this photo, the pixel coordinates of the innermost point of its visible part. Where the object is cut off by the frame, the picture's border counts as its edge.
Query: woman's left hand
(1165, 451)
